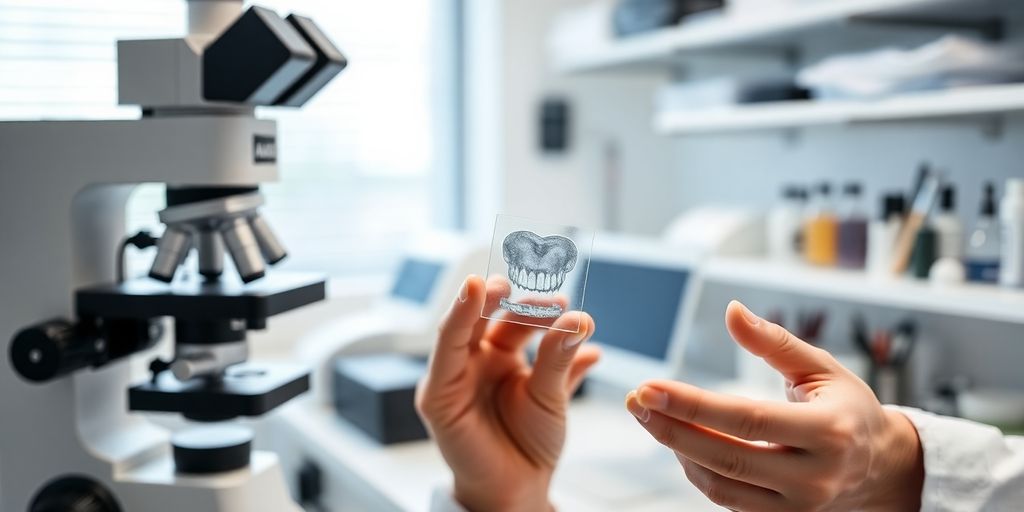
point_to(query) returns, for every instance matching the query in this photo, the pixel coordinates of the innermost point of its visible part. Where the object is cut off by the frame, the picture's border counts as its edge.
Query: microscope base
(156, 487)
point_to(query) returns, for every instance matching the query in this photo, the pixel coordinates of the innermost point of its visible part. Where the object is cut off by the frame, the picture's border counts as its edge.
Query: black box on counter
(377, 394)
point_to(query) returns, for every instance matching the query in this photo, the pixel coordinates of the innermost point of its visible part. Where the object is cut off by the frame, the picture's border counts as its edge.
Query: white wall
(509, 75)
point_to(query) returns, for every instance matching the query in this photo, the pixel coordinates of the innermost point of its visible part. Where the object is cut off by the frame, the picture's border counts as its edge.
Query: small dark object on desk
(376, 393)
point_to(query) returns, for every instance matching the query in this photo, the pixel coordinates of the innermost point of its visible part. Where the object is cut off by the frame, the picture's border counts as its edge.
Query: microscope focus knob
(187, 368)
(74, 494)
(52, 349)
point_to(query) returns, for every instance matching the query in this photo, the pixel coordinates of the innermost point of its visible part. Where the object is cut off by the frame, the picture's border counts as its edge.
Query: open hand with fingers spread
(832, 448)
(500, 423)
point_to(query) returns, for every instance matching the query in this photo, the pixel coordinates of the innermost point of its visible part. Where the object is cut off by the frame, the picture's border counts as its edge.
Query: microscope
(68, 438)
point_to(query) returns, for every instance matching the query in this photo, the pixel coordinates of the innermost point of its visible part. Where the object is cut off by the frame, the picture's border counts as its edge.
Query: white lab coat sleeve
(443, 501)
(968, 466)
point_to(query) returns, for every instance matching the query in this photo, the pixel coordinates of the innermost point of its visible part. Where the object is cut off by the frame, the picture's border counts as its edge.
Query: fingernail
(643, 415)
(464, 291)
(749, 315)
(637, 410)
(653, 398)
(573, 339)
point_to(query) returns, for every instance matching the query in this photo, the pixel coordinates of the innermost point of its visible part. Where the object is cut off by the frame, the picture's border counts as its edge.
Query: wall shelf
(779, 28)
(985, 302)
(967, 102)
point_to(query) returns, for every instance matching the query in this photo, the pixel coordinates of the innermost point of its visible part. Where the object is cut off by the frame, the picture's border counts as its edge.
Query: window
(359, 163)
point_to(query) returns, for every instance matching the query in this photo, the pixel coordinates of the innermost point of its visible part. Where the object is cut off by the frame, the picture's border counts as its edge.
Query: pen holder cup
(890, 383)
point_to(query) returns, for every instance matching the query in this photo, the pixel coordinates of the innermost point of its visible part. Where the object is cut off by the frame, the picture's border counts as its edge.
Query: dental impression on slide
(537, 264)
(545, 267)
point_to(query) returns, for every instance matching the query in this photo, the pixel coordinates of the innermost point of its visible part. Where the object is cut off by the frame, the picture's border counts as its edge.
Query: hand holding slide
(500, 423)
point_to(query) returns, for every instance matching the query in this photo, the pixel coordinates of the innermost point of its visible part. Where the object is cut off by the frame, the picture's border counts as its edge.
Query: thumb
(792, 357)
(555, 356)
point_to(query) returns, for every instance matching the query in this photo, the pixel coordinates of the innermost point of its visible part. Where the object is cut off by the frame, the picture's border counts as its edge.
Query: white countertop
(610, 462)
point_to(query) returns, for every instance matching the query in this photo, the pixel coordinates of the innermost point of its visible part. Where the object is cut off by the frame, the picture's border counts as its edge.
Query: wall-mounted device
(68, 437)
(555, 125)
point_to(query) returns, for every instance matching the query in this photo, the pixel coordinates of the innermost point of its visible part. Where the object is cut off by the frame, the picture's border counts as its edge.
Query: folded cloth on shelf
(726, 92)
(951, 61)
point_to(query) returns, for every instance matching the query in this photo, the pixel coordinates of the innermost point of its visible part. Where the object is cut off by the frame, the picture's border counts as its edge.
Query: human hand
(833, 448)
(499, 423)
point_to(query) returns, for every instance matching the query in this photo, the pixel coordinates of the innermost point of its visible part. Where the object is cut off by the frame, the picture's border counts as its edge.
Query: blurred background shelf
(985, 302)
(964, 102)
(778, 28)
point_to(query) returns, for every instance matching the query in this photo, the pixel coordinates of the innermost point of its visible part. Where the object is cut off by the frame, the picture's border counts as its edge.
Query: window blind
(357, 162)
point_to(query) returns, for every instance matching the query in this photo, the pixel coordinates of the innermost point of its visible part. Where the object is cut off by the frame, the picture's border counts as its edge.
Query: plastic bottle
(1011, 216)
(983, 250)
(947, 226)
(883, 233)
(853, 229)
(784, 225)
(821, 232)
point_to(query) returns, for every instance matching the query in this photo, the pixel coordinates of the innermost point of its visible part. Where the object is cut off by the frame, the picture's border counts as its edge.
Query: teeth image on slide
(538, 263)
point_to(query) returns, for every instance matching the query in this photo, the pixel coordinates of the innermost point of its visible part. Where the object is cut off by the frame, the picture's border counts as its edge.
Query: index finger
(455, 336)
(496, 287)
(795, 359)
(462, 327)
(790, 424)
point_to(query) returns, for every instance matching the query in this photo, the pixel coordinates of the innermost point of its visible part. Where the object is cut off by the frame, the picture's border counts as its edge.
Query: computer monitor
(416, 279)
(428, 276)
(640, 293)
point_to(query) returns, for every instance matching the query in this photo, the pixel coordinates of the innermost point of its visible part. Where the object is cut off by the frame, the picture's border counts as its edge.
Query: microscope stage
(247, 389)
(198, 300)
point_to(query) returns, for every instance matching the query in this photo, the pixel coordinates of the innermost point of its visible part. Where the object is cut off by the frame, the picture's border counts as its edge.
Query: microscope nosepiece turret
(214, 221)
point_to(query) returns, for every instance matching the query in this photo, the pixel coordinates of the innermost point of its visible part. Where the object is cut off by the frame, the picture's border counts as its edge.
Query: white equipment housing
(397, 322)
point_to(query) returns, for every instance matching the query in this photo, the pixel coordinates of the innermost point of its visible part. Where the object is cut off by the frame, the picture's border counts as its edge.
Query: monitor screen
(416, 279)
(635, 305)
